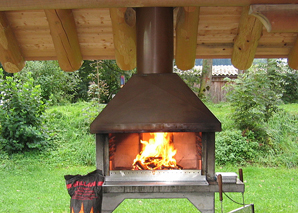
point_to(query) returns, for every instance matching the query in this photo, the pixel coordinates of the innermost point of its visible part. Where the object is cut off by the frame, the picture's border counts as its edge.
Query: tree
(98, 88)
(56, 85)
(255, 96)
(290, 78)
(206, 78)
(191, 78)
(107, 73)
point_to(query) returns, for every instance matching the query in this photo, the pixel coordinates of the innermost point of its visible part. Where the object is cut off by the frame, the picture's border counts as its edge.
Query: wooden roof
(74, 30)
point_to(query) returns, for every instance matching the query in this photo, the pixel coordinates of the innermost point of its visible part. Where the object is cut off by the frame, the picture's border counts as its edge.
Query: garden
(45, 121)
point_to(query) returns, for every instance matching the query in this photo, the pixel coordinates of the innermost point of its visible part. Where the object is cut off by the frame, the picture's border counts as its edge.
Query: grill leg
(204, 202)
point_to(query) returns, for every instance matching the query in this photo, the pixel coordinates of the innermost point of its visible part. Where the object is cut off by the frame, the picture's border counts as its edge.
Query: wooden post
(246, 41)
(124, 37)
(65, 39)
(10, 54)
(186, 37)
(276, 18)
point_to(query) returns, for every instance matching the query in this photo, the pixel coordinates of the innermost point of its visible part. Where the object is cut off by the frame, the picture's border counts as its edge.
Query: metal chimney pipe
(155, 51)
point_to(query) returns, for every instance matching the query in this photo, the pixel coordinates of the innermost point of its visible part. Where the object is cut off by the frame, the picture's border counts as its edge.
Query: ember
(157, 153)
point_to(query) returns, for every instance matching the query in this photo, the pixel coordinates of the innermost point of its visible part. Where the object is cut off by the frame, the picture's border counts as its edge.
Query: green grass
(29, 187)
(291, 108)
(36, 188)
(271, 189)
(34, 181)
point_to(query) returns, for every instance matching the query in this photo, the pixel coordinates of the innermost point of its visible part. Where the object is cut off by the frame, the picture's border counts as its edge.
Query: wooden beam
(65, 39)
(246, 41)
(6, 5)
(124, 36)
(277, 18)
(10, 54)
(293, 56)
(186, 37)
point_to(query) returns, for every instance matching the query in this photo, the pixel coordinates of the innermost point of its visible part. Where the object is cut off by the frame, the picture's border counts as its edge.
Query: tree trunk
(206, 77)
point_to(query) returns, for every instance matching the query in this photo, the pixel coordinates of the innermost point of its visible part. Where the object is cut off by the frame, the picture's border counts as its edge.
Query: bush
(232, 147)
(291, 86)
(191, 77)
(21, 115)
(107, 78)
(255, 97)
(56, 85)
(282, 129)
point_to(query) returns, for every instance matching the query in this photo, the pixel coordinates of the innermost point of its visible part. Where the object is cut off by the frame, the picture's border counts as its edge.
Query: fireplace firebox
(156, 104)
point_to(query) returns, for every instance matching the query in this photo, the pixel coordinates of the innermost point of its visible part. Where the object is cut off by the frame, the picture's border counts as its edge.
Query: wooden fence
(216, 92)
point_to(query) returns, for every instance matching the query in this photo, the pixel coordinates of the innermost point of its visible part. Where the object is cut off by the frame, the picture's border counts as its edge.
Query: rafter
(65, 39)
(10, 54)
(277, 18)
(186, 37)
(75, 4)
(293, 56)
(246, 41)
(124, 36)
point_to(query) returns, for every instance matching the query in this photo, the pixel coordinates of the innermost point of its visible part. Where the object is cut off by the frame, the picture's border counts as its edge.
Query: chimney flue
(155, 51)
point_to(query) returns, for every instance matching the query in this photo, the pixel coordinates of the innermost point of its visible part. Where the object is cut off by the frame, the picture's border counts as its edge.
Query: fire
(82, 209)
(157, 153)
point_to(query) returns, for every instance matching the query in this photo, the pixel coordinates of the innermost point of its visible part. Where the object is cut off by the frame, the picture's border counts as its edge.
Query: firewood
(140, 165)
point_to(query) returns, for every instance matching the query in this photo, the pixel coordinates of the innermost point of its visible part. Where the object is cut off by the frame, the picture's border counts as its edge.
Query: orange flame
(158, 153)
(82, 209)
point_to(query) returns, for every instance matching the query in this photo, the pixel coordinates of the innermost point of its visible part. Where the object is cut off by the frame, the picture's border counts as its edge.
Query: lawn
(36, 187)
(34, 182)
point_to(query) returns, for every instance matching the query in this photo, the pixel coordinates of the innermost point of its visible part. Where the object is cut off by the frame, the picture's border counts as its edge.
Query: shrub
(96, 91)
(232, 147)
(291, 87)
(56, 85)
(255, 97)
(20, 115)
(106, 74)
(191, 77)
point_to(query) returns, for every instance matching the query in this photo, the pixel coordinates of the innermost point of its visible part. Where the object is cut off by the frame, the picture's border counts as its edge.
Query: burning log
(140, 165)
(157, 154)
(150, 159)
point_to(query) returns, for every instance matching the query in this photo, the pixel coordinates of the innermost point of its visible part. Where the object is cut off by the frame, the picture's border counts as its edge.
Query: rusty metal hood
(155, 103)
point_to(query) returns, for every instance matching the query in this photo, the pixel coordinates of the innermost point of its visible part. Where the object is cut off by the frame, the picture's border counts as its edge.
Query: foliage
(290, 94)
(99, 90)
(106, 73)
(84, 75)
(232, 147)
(44, 187)
(21, 115)
(191, 78)
(282, 129)
(56, 85)
(69, 128)
(255, 96)
(96, 91)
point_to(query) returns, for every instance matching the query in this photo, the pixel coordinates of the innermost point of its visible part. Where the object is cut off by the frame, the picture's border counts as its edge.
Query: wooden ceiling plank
(124, 37)
(11, 57)
(277, 18)
(75, 4)
(186, 37)
(65, 39)
(246, 41)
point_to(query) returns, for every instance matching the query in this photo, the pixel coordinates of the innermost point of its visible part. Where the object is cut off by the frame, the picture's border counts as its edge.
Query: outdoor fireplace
(157, 103)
